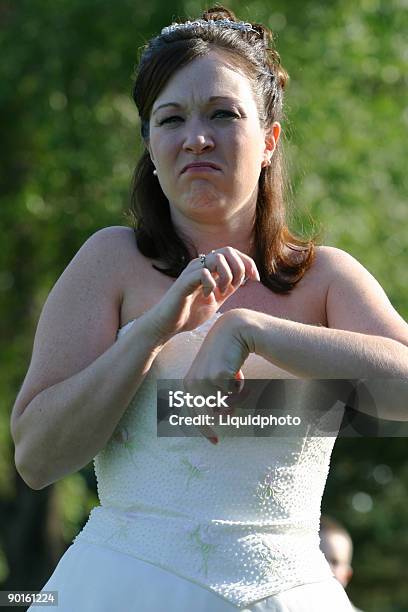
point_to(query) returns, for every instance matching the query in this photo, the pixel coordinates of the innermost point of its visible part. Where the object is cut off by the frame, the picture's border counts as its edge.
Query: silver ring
(202, 257)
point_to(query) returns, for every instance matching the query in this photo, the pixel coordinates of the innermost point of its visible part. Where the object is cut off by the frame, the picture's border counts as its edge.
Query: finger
(225, 270)
(218, 264)
(208, 433)
(207, 281)
(239, 380)
(234, 390)
(241, 264)
(193, 276)
(206, 414)
(214, 273)
(251, 271)
(231, 386)
(236, 266)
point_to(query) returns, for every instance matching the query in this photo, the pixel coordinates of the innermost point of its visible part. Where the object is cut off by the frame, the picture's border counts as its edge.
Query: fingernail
(213, 440)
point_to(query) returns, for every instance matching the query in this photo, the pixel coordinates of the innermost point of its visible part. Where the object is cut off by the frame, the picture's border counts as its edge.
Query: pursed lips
(203, 165)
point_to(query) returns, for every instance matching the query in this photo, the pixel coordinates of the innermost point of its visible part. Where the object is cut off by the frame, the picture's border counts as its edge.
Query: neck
(209, 235)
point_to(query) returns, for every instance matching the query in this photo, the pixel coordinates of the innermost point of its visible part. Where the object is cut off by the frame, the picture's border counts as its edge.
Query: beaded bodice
(240, 518)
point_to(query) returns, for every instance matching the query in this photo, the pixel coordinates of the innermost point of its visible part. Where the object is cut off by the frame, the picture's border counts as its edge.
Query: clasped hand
(200, 291)
(217, 365)
(203, 286)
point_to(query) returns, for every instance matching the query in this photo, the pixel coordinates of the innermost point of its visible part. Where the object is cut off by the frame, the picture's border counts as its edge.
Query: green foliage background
(70, 142)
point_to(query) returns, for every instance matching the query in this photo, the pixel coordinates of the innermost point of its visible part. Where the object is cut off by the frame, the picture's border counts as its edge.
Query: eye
(226, 113)
(171, 119)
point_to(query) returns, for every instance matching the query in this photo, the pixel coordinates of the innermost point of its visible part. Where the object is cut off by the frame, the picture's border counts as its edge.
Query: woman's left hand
(217, 366)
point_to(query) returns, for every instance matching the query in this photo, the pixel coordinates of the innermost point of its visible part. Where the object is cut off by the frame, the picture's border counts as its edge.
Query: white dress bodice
(240, 518)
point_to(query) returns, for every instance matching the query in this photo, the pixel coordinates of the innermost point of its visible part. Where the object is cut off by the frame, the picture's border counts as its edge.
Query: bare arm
(366, 338)
(80, 380)
(66, 425)
(318, 352)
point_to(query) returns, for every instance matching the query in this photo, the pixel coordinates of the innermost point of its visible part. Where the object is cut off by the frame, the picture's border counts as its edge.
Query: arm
(80, 380)
(318, 352)
(366, 337)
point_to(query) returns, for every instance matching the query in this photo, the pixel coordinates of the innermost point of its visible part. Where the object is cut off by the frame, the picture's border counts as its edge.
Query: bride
(210, 285)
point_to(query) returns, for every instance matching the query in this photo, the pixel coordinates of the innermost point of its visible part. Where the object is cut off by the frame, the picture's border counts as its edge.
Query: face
(337, 550)
(207, 115)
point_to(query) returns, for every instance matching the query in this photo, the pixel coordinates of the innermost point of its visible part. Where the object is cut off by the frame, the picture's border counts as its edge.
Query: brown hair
(329, 525)
(281, 257)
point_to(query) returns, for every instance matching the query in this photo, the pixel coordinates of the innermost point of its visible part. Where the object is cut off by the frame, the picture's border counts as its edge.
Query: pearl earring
(155, 172)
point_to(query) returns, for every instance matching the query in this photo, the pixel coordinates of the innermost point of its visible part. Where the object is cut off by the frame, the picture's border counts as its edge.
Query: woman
(185, 524)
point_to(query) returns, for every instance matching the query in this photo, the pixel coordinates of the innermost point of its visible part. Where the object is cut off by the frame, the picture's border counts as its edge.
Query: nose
(198, 138)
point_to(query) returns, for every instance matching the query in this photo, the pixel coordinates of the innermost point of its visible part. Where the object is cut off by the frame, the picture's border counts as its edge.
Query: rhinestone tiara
(219, 23)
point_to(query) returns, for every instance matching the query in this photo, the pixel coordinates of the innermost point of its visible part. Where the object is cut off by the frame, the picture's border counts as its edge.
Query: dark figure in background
(337, 546)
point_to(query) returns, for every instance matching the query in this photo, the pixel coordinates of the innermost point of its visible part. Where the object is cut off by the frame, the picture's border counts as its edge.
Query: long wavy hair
(281, 257)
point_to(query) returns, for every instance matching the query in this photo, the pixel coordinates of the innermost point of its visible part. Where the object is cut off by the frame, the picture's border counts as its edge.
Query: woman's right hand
(200, 290)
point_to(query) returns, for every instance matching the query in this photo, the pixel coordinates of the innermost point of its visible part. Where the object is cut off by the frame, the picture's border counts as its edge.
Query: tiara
(219, 23)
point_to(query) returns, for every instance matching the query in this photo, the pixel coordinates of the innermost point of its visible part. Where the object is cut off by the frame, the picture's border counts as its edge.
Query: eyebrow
(177, 105)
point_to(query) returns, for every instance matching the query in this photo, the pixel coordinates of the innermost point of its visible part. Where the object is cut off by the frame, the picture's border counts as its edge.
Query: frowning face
(207, 116)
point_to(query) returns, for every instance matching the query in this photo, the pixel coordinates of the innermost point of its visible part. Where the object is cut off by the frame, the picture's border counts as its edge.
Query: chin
(205, 205)
(206, 201)
(202, 195)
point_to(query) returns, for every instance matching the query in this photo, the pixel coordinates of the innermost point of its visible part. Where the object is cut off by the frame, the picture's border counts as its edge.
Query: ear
(272, 135)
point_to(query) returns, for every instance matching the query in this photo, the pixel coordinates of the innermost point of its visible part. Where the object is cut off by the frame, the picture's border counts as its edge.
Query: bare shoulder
(115, 242)
(329, 260)
(332, 265)
(112, 252)
(316, 281)
(355, 300)
(332, 257)
(80, 317)
(340, 268)
(100, 266)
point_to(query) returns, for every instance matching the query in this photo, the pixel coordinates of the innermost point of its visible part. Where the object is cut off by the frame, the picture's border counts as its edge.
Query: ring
(202, 257)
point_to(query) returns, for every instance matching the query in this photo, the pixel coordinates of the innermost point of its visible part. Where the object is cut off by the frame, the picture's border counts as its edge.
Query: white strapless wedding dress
(184, 525)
